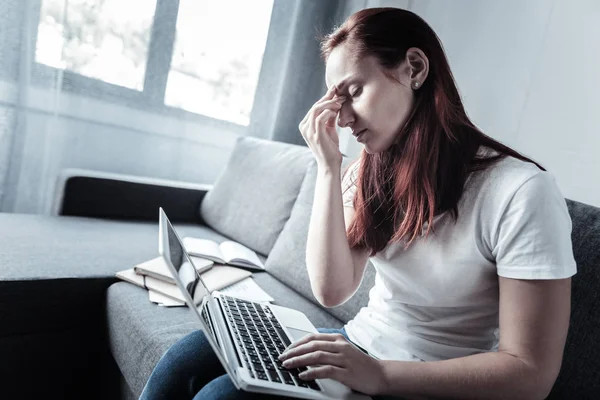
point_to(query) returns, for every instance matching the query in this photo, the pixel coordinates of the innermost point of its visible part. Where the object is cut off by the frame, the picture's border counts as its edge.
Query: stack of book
(218, 266)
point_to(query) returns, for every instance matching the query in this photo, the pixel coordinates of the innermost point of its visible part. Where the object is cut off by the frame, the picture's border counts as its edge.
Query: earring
(416, 85)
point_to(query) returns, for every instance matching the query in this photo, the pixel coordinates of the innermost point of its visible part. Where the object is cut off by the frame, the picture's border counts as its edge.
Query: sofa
(70, 329)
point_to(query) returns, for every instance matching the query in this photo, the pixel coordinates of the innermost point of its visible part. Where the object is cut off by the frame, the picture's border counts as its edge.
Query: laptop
(246, 336)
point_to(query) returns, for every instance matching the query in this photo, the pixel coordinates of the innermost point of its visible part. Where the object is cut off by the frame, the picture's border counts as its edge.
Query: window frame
(158, 65)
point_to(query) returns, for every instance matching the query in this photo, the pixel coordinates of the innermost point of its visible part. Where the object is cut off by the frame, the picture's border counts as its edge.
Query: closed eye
(355, 92)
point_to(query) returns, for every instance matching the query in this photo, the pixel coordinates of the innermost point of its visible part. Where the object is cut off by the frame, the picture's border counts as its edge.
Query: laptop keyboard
(262, 339)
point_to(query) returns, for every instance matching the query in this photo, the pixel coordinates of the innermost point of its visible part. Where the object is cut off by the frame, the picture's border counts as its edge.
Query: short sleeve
(534, 233)
(349, 185)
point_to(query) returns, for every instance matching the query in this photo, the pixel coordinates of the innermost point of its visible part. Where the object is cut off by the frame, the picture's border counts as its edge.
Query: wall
(528, 74)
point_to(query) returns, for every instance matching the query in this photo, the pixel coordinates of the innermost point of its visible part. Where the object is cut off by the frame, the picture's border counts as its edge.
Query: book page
(157, 268)
(247, 289)
(163, 300)
(233, 251)
(201, 264)
(204, 248)
(221, 276)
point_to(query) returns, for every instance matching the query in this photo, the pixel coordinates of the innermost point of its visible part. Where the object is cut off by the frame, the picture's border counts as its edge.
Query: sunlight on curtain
(158, 88)
(218, 77)
(102, 39)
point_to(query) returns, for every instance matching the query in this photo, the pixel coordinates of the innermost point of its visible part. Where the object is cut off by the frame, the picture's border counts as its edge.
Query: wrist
(328, 170)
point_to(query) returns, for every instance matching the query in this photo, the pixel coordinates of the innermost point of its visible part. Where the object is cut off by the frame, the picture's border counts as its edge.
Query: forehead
(340, 65)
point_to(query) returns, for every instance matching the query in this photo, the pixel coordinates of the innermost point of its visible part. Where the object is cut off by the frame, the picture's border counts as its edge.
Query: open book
(228, 252)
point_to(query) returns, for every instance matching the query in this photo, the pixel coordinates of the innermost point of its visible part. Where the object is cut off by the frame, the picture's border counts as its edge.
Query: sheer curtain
(157, 88)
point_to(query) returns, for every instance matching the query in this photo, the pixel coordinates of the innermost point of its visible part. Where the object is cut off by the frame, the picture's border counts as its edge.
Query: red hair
(423, 173)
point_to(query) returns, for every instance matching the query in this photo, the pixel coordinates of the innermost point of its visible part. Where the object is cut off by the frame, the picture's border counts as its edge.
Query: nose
(345, 119)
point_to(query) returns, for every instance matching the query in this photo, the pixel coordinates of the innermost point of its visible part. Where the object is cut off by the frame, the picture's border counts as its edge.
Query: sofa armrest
(87, 193)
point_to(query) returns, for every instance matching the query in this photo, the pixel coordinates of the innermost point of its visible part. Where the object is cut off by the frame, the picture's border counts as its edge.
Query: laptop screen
(183, 264)
(171, 248)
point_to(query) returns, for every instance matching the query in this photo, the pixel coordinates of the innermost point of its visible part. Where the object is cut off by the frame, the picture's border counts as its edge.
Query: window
(217, 57)
(103, 39)
(217, 49)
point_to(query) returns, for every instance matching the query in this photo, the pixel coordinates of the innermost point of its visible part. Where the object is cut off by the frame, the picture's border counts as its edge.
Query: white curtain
(157, 88)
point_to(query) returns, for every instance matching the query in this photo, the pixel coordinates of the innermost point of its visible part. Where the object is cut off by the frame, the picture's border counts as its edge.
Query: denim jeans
(191, 370)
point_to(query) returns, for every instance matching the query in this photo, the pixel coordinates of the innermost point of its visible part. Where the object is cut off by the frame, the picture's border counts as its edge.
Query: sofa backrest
(253, 197)
(287, 261)
(580, 372)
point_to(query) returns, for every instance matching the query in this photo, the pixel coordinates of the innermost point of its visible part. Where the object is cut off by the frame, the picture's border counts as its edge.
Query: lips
(358, 134)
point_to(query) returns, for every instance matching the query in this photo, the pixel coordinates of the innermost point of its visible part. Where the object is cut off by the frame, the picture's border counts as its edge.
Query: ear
(418, 63)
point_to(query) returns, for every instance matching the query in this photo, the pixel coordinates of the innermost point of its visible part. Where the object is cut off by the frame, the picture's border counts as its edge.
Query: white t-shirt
(439, 298)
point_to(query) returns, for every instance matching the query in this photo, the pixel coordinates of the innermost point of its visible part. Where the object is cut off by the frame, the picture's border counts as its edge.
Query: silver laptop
(247, 337)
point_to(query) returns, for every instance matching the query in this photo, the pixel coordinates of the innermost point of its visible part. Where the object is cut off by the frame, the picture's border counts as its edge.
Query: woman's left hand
(332, 356)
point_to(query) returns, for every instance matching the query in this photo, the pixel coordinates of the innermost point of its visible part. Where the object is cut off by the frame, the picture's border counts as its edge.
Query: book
(215, 278)
(147, 282)
(221, 276)
(247, 289)
(228, 252)
(157, 268)
(163, 300)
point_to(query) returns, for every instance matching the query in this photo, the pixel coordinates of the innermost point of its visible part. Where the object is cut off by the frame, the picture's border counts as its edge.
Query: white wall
(529, 75)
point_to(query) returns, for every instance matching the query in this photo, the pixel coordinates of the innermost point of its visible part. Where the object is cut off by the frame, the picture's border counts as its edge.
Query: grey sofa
(69, 329)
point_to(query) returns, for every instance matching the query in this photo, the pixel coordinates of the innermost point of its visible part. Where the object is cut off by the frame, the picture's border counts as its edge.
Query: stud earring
(416, 85)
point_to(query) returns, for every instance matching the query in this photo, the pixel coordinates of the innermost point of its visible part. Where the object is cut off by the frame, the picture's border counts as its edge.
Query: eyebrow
(344, 82)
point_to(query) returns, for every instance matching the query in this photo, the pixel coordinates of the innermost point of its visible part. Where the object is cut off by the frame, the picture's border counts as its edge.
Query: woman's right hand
(318, 129)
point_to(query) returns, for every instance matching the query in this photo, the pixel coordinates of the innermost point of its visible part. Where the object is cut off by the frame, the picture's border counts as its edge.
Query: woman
(470, 240)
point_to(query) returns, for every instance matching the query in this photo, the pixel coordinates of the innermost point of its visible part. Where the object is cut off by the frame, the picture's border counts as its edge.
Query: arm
(334, 269)
(534, 319)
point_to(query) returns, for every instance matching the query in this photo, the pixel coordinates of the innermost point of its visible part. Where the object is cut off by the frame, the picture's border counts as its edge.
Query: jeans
(191, 370)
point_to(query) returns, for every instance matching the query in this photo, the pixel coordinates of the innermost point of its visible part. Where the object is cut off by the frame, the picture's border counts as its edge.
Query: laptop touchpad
(292, 319)
(297, 334)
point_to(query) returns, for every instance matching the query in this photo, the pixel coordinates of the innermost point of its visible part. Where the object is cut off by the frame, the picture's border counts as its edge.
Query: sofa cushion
(141, 332)
(50, 247)
(253, 197)
(287, 260)
(578, 378)
(46, 247)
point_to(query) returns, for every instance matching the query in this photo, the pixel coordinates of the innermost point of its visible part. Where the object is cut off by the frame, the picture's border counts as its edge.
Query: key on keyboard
(262, 339)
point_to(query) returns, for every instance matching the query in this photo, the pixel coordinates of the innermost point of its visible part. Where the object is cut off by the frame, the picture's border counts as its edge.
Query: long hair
(423, 173)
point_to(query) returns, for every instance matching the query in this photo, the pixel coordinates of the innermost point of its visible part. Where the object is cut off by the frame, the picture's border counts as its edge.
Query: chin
(371, 149)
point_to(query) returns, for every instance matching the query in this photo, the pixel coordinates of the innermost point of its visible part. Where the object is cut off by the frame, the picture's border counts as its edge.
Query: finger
(329, 337)
(326, 372)
(330, 93)
(333, 104)
(323, 120)
(318, 357)
(316, 109)
(310, 347)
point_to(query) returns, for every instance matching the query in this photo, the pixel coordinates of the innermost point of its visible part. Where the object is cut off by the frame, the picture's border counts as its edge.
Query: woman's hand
(332, 356)
(318, 129)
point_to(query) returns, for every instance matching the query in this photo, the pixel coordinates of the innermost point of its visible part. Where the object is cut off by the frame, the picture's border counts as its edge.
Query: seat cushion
(253, 197)
(287, 260)
(50, 247)
(141, 332)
